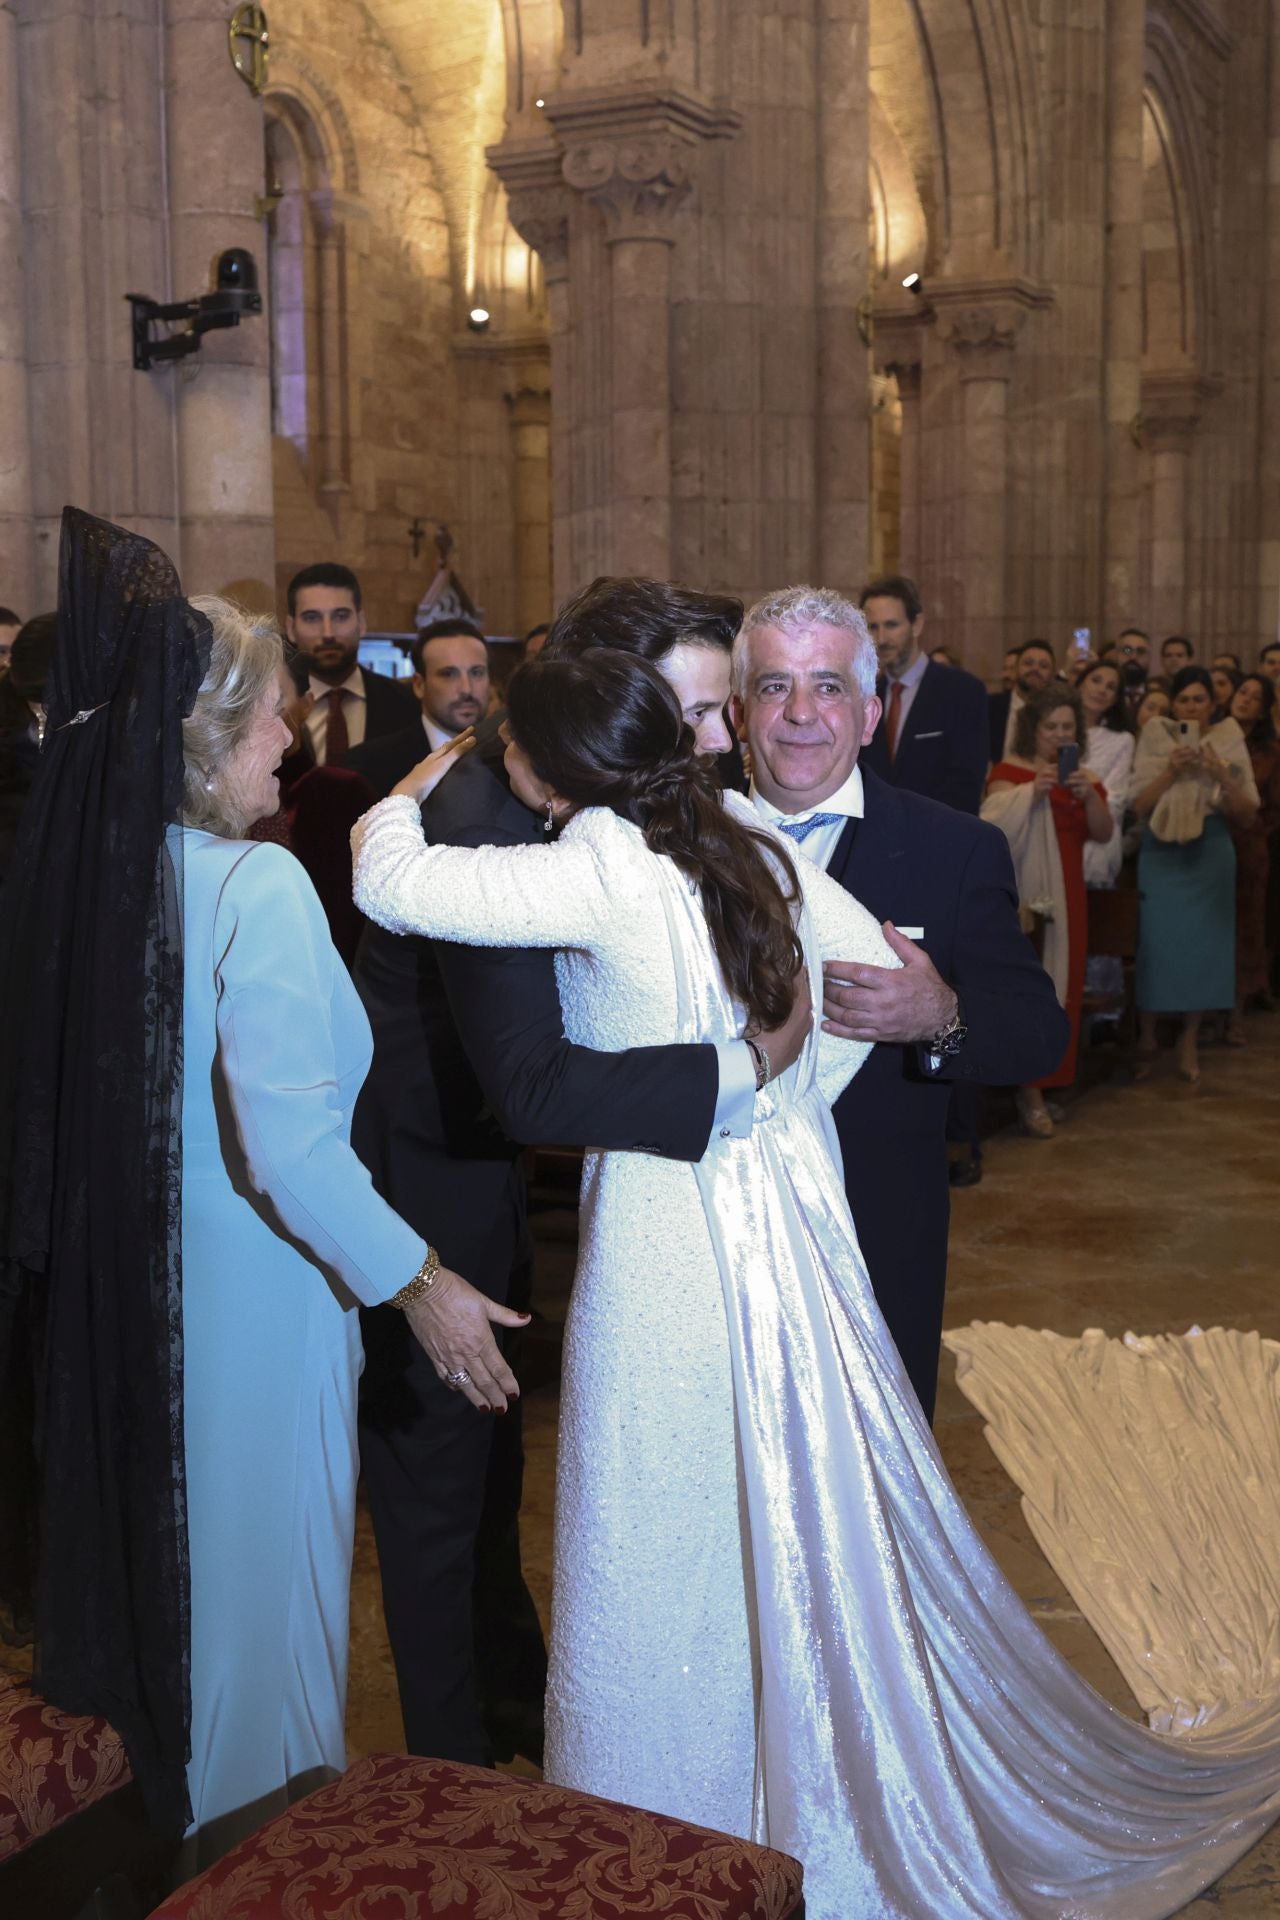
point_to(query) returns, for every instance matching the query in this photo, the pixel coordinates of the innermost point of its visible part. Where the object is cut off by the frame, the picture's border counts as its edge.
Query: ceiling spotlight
(912, 283)
(478, 319)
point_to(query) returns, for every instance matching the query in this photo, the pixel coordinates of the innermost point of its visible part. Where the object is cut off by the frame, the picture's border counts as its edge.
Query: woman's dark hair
(28, 669)
(1036, 707)
(1117, 718)
(603, 729)
(1192, 676)
(645, 617)
(1235, 676)
(1263, 731)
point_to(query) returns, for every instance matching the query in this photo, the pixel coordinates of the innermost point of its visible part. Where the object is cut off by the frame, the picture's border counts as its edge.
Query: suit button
(725, 1134)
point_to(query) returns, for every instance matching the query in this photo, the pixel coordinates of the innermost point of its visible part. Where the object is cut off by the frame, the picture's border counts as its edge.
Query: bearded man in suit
(971, 1002)
(341, 703)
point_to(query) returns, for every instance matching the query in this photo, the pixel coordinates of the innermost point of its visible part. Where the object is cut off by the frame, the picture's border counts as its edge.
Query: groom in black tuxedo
(971, 1002)
(470, 1063)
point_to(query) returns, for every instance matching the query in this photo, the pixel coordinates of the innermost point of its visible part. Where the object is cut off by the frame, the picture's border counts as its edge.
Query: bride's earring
(549, 824)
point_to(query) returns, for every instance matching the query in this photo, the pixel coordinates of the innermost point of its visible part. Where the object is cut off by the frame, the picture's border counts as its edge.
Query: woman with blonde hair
(185, 1232)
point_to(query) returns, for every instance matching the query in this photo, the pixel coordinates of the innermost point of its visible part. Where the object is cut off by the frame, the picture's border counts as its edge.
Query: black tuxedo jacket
(471, 1062)
(385, 760)
(998, 705)
(942, 750)
(919, 864)
(389, 706)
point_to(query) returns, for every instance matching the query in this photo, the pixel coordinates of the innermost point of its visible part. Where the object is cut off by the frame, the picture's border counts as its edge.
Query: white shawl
(1110, 756)
(1027, 824)
(1179, 815)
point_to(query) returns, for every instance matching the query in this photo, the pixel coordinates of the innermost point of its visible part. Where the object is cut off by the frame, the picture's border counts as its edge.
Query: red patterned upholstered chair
(71, 1818)
(397, 1837)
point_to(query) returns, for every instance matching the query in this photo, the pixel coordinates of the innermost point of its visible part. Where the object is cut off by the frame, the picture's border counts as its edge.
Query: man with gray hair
(971, 1002)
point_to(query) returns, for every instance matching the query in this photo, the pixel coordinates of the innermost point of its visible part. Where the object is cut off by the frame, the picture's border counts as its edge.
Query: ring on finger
(457, 1379)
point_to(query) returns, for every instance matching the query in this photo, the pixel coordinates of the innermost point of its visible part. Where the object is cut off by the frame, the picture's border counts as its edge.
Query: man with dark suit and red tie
(932, 739)
(342, 704)
(932, 736)
(971, 1003)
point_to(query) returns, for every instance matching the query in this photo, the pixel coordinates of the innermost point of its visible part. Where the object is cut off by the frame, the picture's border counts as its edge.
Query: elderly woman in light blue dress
(283, 1237)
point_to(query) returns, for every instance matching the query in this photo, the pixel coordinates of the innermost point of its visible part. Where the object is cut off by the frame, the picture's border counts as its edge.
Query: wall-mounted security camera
(235, 292)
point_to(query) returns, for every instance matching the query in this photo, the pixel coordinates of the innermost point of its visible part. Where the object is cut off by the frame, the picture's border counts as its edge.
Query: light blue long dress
(283, 1237)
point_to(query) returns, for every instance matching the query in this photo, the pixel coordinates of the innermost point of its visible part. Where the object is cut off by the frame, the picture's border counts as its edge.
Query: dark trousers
(444, 1495)
(900, 1203)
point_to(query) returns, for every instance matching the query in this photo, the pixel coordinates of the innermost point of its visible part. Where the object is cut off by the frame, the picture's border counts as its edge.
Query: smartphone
(1189, 732)
(1068, 761)
(1080, 641)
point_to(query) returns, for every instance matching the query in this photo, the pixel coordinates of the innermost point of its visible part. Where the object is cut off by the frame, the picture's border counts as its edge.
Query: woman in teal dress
(200, 1292)
(1188, 787)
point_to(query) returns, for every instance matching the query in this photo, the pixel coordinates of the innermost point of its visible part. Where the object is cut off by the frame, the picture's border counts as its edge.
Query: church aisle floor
(1154, 1207)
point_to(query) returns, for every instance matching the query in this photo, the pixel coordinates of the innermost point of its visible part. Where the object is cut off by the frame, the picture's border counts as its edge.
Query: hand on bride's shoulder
(427, 775)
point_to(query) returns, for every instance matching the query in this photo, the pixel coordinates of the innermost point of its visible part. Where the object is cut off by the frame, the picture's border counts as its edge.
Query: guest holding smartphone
(1192, 785)
(1049, 807)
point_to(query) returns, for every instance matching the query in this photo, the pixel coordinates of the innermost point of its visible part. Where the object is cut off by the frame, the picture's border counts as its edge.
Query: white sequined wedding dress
(771, 1612)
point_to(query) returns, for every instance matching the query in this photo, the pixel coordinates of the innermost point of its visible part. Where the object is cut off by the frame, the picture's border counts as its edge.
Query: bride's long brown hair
(604, 729)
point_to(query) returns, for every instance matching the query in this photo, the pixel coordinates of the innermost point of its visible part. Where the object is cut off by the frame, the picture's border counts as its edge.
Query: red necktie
(335, 730)
(893, 720)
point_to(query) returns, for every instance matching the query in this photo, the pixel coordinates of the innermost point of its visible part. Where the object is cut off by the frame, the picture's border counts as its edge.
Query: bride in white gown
(771, 1612)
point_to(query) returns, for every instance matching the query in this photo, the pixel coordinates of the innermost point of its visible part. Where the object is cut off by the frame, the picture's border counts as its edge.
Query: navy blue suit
(919, 864)
(942, 745)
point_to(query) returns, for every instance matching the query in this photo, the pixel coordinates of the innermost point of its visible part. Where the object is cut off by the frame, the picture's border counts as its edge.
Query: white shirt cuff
(736, 1106)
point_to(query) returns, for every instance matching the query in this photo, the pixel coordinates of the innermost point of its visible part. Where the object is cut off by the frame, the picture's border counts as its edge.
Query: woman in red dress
(1047, 824)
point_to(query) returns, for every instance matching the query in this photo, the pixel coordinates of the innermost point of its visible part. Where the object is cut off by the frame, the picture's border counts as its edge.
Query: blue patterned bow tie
(801, 829)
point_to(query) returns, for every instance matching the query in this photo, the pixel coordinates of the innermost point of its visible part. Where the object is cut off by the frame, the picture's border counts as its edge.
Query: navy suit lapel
(865, 856)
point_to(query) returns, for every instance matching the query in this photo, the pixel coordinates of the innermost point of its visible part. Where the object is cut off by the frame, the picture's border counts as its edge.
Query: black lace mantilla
(93, 1547)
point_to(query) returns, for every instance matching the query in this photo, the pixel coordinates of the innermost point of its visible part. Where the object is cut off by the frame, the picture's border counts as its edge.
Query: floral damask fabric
(52, 1765)
(398, 1837)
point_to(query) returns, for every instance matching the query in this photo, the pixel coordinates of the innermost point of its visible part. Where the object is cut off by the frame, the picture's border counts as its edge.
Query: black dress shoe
(964, 1173)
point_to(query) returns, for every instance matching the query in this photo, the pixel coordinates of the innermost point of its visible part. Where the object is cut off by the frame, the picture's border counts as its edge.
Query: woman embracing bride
(771, 1612)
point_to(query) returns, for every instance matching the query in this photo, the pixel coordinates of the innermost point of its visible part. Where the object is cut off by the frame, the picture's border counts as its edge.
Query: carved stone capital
(631, 151)
(897, 342)
(1172, 407)
(982, 338)
(637, 182)
(537, 199)
(980, 320)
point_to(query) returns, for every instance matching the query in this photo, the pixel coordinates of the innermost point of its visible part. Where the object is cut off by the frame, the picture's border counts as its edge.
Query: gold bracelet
(420, 1285)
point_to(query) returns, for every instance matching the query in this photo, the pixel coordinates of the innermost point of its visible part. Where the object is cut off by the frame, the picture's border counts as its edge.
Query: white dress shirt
(847, 801)
(436, 736)
(354, 709)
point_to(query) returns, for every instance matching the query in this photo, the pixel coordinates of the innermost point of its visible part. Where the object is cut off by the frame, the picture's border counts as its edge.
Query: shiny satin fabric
(921, 1747)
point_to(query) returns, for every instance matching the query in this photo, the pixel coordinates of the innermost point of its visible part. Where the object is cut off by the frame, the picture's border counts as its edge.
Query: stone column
(1171, 410)
(215, 152)
(331, 299)
(530, 413)
(844, 384)
(538, 202)
(628, 161)
(898, 352)
(1122, 309)
(1269, 425)
(17, 550)
(93, 176)
(979, 341)
(637, 184)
